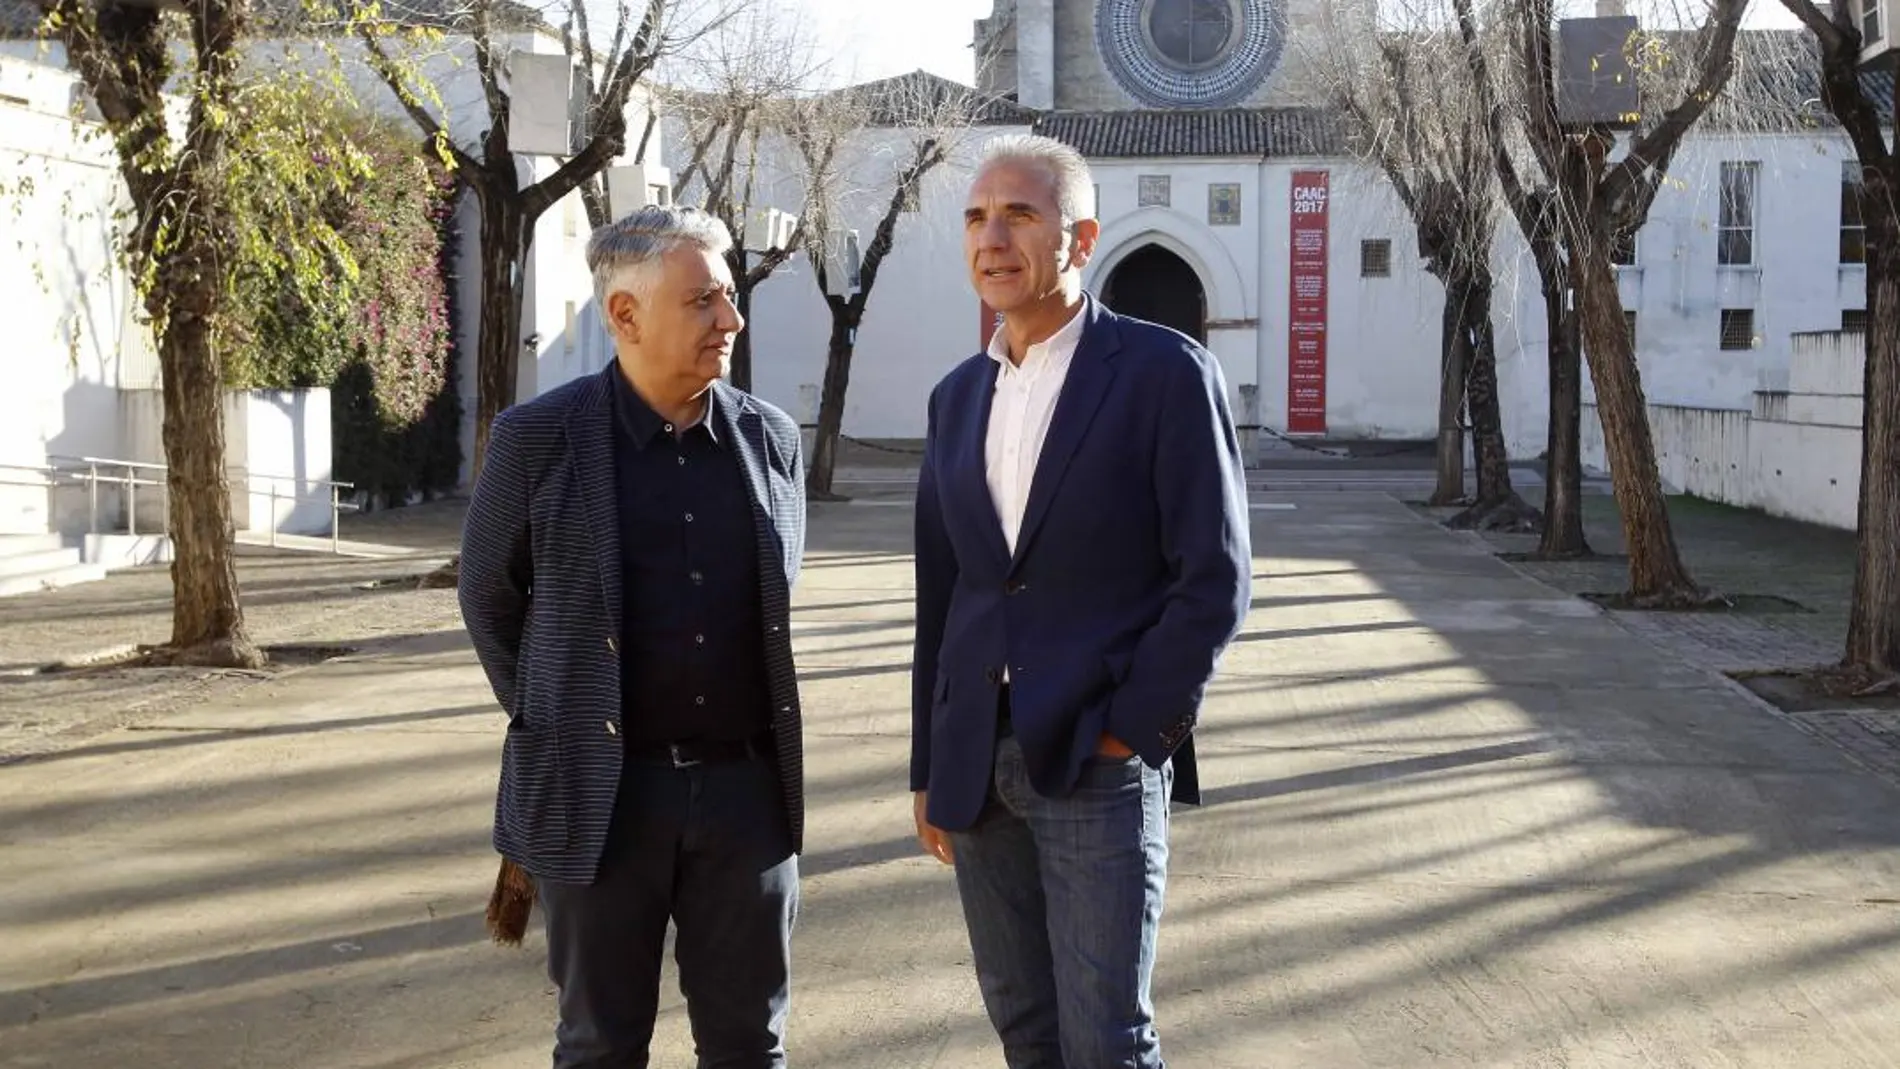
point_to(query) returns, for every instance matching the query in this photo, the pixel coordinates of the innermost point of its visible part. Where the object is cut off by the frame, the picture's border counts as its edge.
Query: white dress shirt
(1019, 418)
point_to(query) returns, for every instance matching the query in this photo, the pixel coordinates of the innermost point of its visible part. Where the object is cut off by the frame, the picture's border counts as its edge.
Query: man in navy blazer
(626, 572)
(1083, 559)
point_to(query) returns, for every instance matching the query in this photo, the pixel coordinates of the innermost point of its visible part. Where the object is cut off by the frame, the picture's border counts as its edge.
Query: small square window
(1375, 258)
(1738, 328)
(1629, 327)
(1854, 320)
(1153, 191)
(1223, 203)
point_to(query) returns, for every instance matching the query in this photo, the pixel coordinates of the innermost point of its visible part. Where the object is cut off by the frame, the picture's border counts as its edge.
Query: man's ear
(623, 316)
(1082, 244)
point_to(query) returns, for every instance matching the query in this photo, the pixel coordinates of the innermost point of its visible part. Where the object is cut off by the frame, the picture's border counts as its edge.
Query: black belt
(697, 751)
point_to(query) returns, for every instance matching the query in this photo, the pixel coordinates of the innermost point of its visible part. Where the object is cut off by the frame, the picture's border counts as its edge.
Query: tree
(1421, 123)
(1562, 535)
(748, 93)
(509, 207)
(180, 244)
(1873, 630)
(926, 114)
(1598, 200)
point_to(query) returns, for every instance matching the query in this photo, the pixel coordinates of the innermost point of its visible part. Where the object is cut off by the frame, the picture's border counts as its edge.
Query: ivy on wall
(359, 301)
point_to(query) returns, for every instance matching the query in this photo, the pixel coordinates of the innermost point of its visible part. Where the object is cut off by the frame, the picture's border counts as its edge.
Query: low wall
(1796, 455)
(276, 449)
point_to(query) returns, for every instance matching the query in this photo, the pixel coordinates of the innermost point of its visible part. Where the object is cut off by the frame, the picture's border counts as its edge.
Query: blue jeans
(1062, 898)
(706, 847)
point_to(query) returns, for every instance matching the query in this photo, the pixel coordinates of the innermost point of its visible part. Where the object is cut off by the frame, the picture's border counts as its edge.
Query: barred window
(1738, 328)
(1375, 258)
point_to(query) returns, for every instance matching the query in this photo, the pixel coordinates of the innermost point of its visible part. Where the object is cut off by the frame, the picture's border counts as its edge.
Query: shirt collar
(1057, 348)
(639, 422)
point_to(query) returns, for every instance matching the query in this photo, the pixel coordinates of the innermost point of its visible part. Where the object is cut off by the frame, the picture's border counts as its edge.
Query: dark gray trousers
(708, 848)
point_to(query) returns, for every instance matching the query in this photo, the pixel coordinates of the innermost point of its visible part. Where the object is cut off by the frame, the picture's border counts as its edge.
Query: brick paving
(1748, 555)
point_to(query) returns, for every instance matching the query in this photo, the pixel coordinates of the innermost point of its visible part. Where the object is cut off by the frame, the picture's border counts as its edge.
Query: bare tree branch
(435, 134)
(1649, 158)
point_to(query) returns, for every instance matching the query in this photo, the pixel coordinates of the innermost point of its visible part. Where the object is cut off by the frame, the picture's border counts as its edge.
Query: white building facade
(87, 373)
(1199, 213)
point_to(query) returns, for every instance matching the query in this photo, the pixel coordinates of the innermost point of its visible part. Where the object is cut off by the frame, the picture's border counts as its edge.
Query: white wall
(72, 320)
(1383, 332)
(921, 318)
(1796, 453)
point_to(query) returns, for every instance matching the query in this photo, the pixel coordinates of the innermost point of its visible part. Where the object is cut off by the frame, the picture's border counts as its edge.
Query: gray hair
(623, 254)
(1075, 186)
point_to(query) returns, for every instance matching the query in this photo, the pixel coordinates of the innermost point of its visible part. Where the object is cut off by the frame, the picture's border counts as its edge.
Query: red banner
(1306, 311)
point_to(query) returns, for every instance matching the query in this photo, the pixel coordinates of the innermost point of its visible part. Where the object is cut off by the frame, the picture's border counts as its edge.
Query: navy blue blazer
(1132, 572)
(541, 596)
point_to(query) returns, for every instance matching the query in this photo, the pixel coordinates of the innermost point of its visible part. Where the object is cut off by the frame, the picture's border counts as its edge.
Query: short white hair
(1075, 185)
(623, 254)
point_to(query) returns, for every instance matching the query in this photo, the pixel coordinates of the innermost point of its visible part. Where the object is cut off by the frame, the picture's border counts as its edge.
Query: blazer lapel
(591, 439)
(1091, 371)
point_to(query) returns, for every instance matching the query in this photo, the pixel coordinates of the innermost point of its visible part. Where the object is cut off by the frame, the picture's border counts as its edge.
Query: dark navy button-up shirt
(692, 648)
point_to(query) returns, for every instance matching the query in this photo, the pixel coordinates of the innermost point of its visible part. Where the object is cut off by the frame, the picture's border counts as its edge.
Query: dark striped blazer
(540, 592)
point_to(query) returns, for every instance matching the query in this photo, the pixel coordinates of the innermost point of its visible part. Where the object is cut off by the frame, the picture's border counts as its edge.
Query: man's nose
(731, 320)
(993, 234)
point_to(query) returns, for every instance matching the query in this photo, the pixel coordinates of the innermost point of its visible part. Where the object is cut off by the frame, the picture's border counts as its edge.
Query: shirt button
(700, 639)
(701, 700)
(612, 728)
(696, 577)
(613, 645)
(689, 517)
(682, 462)
(668, 427)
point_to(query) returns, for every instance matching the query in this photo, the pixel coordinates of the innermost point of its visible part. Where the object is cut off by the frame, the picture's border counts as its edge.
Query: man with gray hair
(626, 571)
(1083, 558)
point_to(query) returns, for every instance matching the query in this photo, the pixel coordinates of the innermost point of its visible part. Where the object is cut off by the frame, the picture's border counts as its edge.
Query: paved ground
(1455, 817)
(1735, 552)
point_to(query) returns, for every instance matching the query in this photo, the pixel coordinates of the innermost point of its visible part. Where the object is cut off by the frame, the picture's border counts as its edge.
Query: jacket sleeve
(1200, 486)
(497, 568)
(936, 574)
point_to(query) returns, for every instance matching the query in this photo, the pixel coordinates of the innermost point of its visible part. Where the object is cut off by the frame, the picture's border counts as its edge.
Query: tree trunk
(1451, 395)
(1873, 626)
(741, 372)
(824, 452)
(1498, 507)
(1563, 444)
(1657, 574)
(504, 283)
(1481, 388)
(207, 617)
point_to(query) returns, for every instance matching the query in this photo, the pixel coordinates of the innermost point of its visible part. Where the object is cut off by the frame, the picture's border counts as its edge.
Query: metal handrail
(58, 466)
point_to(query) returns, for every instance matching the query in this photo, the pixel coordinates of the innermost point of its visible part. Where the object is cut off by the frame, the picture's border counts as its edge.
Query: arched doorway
(1153, 283)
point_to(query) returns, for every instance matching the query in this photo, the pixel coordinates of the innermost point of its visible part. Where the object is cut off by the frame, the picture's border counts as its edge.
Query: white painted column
(1036, 53)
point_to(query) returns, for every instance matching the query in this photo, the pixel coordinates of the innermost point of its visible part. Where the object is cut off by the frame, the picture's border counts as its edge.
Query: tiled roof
(1255, 132)
(923, 96)
(19, 19)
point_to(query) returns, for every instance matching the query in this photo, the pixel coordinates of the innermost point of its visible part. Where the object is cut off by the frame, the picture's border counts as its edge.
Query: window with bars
(1623, 250)
(1629, 327)
(1871, 22)
(1375, 258)
(1735, 238)
(1738, 328)
(1853, 223)
(1854, 320)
